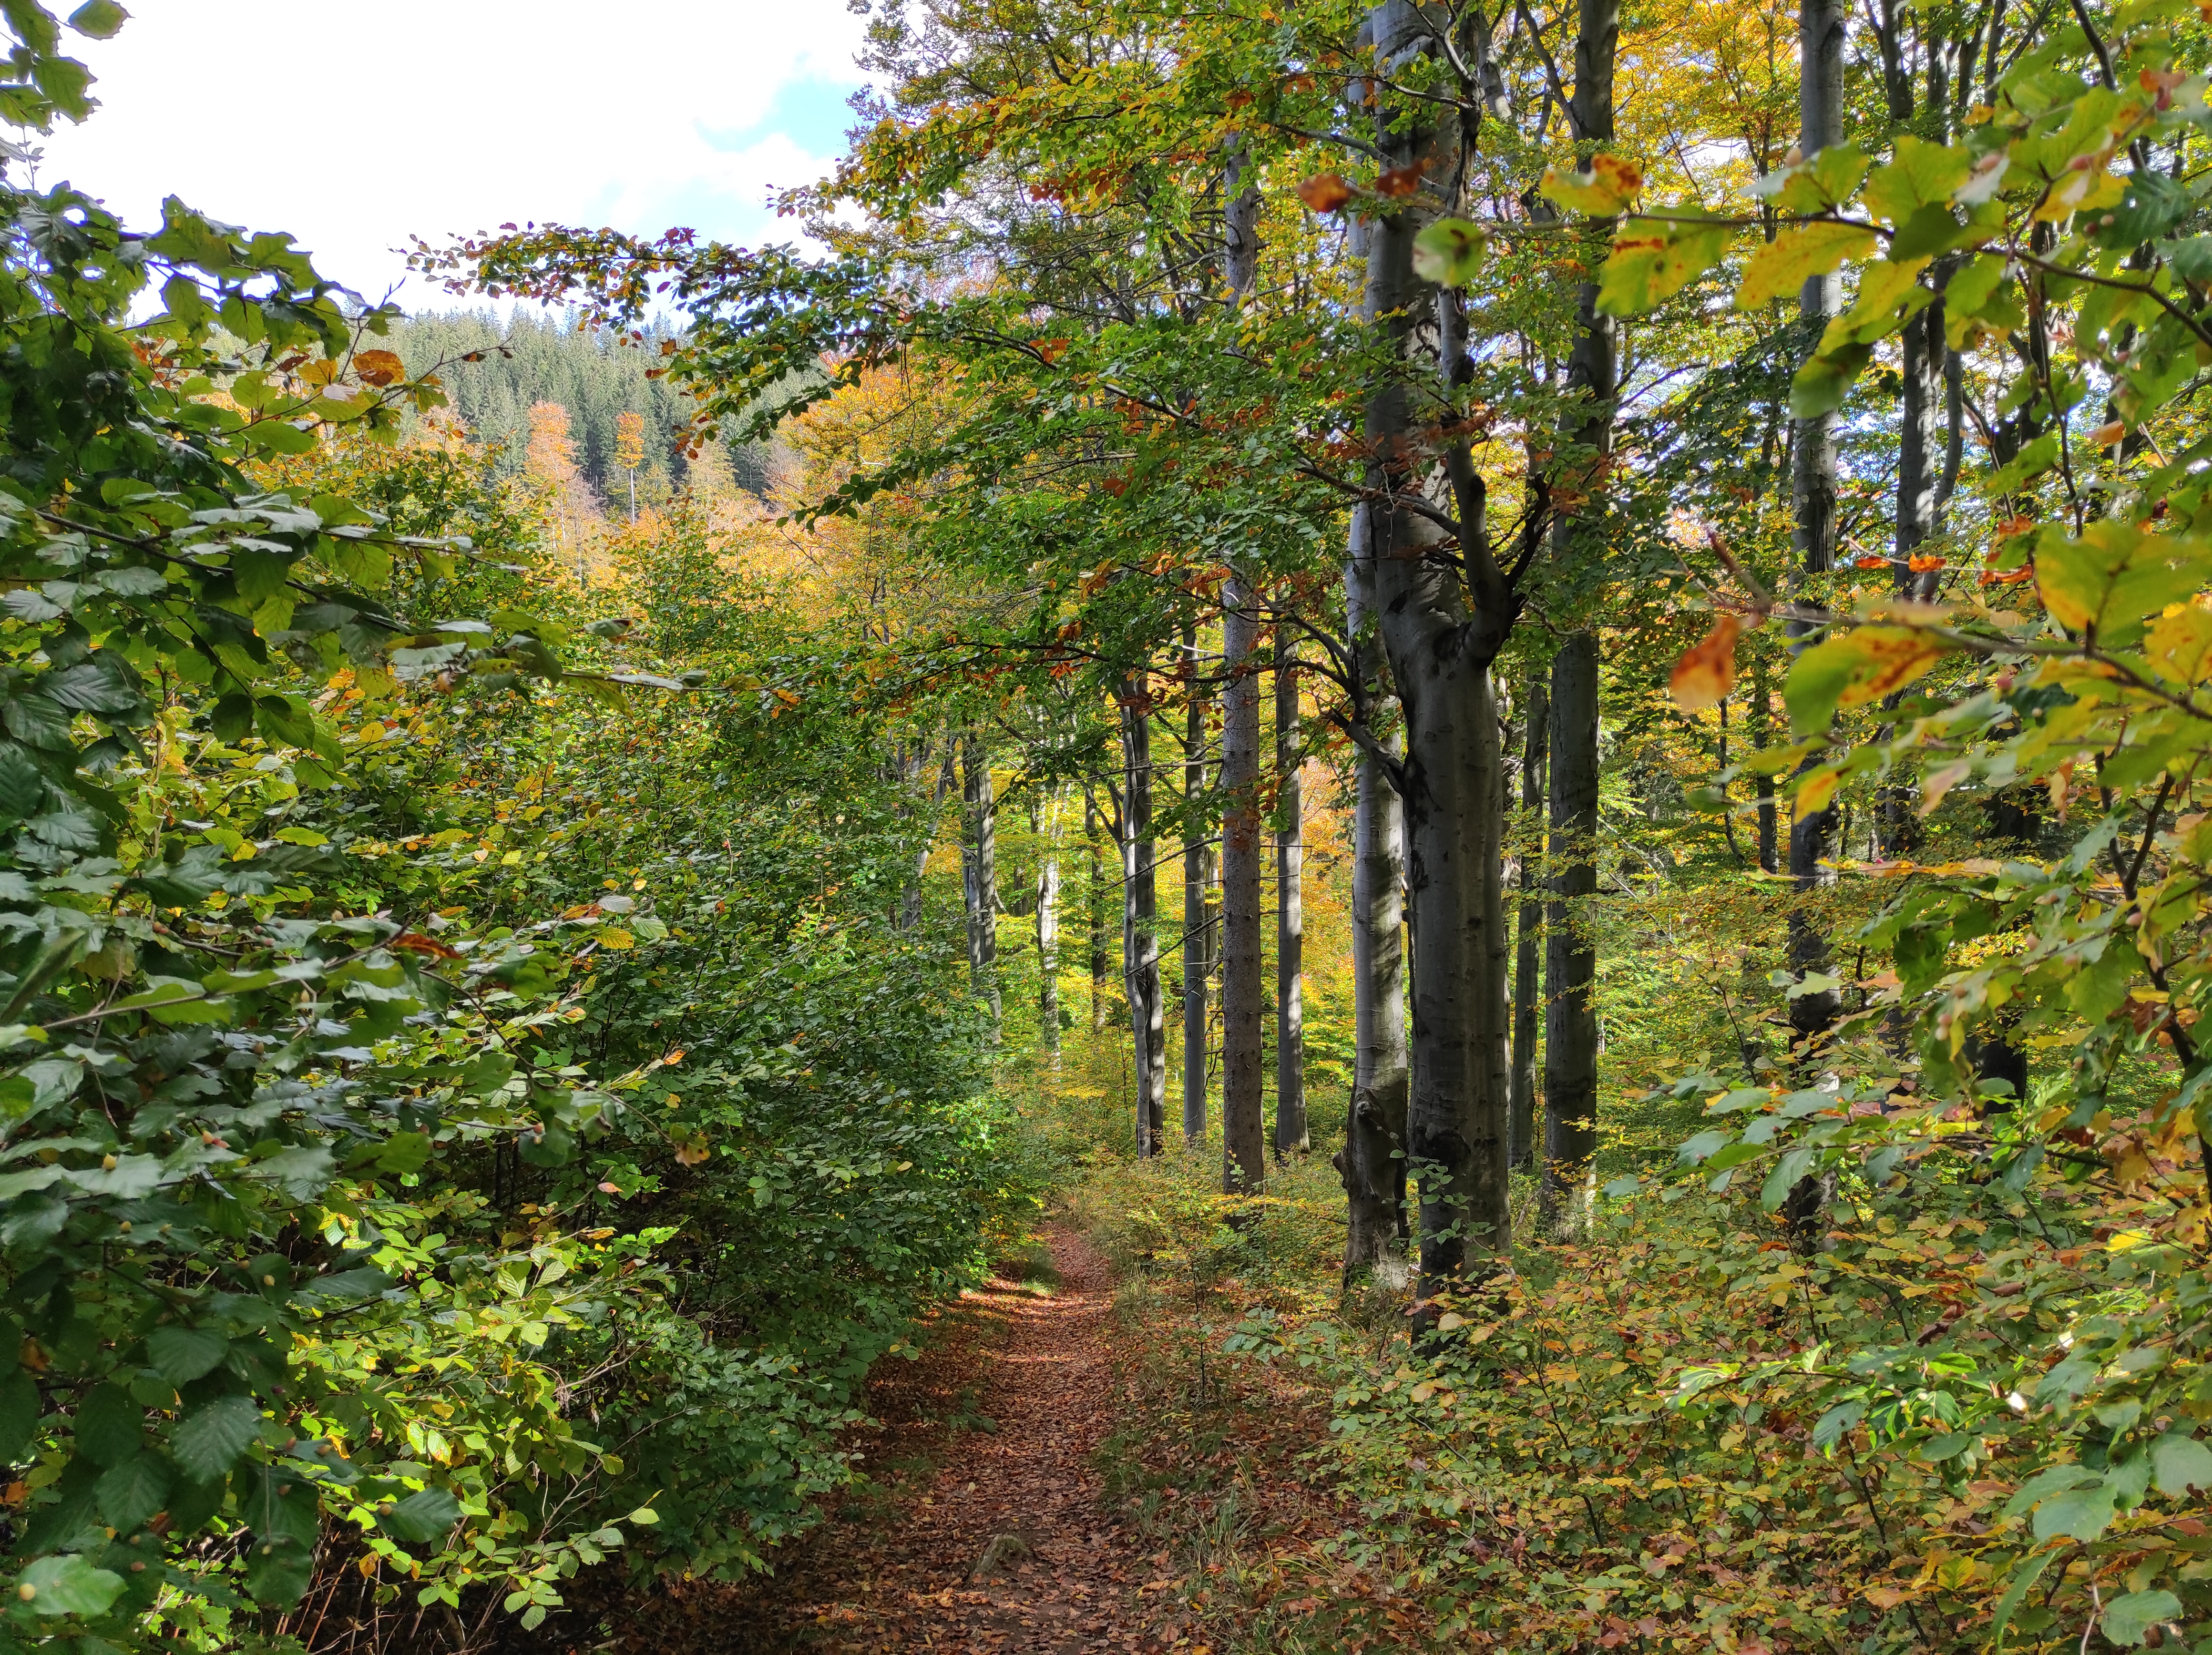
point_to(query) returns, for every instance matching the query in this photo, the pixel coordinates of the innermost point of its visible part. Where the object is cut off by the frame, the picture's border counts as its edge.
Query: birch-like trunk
(1291, 1132)
(1140, 941)
(1048, 931)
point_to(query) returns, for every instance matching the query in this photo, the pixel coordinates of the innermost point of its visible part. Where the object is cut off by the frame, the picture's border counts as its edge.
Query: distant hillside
(529, 360)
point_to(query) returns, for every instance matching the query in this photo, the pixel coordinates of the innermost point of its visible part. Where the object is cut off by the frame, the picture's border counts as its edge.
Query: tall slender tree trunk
(1245, 1163)
(1571, 1028)
(1528, 962)
(1197, 938)
(1441, 637)
(980, 873)
(1243, 1119)
(1813, 502)
(1140, 919)
(1047, 929)
(1290, 1133)
(1095, 911)
(1373, 1161)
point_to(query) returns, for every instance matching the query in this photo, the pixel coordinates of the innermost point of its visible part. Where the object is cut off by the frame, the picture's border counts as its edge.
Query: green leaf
(109, 1425)
(2152, 205)
(1448, 252)
(22, 787)
(1823, 180)
(19, 1415)
(421, 1516)
(2128, 1621)
(344, 1287)
(1853, 669)
(2016, 1593)
(2081, 1514)
(1654, 259)
(278, 1571)
(2191, 257)
(1822, 384)
(181, 1355)
(214, 1434)
(133, 1490)
(2181, 1464)
(100, 19)
(2116, 578)
(1783, 266)
(1923, 174)
(68, 1585)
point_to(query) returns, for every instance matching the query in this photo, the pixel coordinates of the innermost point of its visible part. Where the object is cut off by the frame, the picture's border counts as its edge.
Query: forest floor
(984, 1526)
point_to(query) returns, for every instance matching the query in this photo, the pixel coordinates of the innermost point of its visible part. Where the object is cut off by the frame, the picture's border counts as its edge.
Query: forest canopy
(566, 884)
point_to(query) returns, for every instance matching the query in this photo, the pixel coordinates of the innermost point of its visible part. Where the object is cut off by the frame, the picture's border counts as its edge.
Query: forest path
(1006, 1546)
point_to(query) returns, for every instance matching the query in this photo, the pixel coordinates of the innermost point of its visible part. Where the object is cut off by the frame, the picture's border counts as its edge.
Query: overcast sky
(354, 125)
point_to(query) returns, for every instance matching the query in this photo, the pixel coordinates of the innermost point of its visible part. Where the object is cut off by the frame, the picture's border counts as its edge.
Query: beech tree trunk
(1813, 502)
(1441, 638)
(1243, 1102)
(980, 876)
(1290, 1133)
(1095, 911)
(1373, 1161)
(1140, 941)
(1528, 962)
(1570, 1030)
(1197, 939)
(1244, 1155)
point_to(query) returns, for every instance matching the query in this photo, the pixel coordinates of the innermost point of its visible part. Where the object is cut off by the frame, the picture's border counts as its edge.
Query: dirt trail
(1006, 1547)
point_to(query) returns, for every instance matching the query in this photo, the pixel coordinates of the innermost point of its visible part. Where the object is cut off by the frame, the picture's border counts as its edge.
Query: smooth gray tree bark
(1528, 964)
(1441, 630)
(1243, 1101)
(1243, 1120)
(1197, 933)
(1373, 1161)
(1095, 911)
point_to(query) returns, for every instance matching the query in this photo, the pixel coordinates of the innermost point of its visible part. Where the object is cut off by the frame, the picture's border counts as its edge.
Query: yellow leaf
(616, 938)
(1603, 192)
(1816, 790)
(1784, 265)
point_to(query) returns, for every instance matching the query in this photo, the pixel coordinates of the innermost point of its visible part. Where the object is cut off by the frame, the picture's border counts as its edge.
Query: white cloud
(354, 126)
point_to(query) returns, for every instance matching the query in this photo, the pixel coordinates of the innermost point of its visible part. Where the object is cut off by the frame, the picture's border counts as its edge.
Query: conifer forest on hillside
(1357, 826)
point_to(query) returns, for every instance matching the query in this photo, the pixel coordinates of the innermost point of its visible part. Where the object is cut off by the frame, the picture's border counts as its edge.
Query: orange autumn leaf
(1324, 192)
(379, 368)
(2108, 433)
(1923, 563)
(1706, 672)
